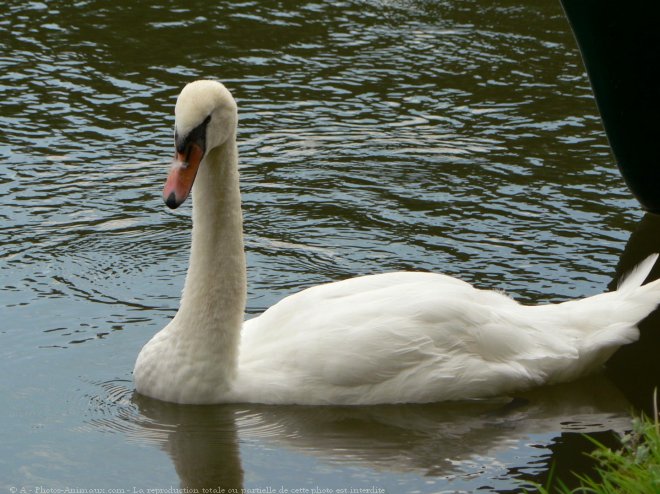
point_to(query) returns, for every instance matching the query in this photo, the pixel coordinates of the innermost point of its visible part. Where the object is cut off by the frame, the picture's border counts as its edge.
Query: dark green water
(450, 136)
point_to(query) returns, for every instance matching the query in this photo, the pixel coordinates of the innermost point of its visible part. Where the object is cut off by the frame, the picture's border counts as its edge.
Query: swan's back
(415, 337)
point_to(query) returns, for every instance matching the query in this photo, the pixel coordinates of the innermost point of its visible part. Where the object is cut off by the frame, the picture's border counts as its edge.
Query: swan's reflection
(429, 440)
(202, 441)
(635, 368)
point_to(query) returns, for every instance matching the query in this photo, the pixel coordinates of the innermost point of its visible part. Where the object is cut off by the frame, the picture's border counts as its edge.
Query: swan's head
(205, 117)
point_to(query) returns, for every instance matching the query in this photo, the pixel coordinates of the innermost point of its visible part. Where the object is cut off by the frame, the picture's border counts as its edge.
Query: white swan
(386, 338)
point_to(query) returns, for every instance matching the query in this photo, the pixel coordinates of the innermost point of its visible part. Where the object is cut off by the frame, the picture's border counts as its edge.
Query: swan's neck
(213, 301)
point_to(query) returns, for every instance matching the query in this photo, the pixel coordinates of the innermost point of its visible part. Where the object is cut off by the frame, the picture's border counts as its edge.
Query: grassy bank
(634, 468)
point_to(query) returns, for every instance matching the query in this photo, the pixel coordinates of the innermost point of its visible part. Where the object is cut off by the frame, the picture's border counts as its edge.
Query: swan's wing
(396, 334)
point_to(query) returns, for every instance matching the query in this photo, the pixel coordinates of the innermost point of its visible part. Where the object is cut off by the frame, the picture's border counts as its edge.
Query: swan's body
(387, 338)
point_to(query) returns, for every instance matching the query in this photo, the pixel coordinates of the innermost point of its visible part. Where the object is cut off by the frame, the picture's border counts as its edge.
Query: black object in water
(620, 45)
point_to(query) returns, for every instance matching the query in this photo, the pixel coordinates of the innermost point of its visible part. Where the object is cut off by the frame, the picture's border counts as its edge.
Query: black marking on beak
(172, 202)
(196, 136)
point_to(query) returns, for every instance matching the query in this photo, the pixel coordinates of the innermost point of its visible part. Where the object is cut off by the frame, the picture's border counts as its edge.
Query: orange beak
(182, 176)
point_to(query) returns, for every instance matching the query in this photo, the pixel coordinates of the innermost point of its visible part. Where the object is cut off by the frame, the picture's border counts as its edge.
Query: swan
(385, 338)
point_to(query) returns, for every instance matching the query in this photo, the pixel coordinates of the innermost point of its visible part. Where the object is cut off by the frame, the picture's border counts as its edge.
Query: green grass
(633, 468)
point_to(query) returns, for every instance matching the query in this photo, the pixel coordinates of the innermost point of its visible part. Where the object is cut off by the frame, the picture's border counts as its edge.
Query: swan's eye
(180, 143)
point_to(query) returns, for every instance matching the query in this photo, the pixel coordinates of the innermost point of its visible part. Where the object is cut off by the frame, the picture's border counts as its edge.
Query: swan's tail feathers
(632, 301)
(637, 275)
(600, 324)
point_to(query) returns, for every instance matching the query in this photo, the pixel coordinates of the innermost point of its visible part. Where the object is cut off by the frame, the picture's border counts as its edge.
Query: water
(446, 136)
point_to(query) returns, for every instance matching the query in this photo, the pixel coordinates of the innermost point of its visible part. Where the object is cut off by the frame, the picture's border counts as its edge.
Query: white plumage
(386, 338)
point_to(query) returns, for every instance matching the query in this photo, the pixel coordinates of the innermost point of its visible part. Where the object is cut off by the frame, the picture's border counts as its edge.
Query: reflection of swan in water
(433, 440)
(439, 442)
(202, 442)
(636, 368)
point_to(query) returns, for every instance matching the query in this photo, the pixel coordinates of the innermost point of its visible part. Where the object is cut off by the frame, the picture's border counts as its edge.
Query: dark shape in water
(635, 369)
(620, 46)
